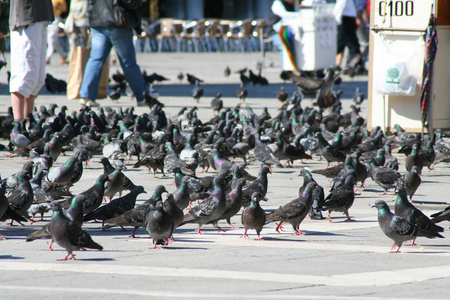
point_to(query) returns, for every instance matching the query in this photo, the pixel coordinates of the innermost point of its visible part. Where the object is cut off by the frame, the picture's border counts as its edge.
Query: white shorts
(28, 47)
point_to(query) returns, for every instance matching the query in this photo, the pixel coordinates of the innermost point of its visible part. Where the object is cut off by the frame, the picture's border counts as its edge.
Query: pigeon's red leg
(413, 242)
(220, 229)
(231, 225)
(259, 238)
(198, 230)
(2, 237)
(133, 235)
(299, 232)
(279, 227)
(329, 216)
(50, 246)
(245, 235)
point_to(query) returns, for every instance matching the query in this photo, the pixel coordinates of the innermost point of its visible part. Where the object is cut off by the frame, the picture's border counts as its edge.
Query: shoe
(63, 61)
(47, 62)
(84, 101)
(93, 104)
(141, 103)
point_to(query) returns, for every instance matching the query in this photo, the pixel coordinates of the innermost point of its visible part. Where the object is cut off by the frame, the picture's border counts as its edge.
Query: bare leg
(18, 103)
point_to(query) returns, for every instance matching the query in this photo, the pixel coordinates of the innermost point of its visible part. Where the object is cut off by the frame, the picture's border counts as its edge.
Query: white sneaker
(84, 101)
(93, 104)
(141, 103)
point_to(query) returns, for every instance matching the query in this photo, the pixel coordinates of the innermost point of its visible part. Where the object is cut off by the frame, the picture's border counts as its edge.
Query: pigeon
(440, 216)
(17, 138)
(74, 213)
(136, 216)
(116, 207)
(69, 234)
(260, 184)
(358, 96)
(385, 177)
(295, 211)
(176, 213)
(197, 91)
(159, 224)
(192, 79)
(396, 228)
(234, 202)
(264, 154)
(242, 93)
(325, 95)
(21, 198)
(226, 72)
(253, 216)
(404, 208)
(341, 198)
(210, 209)
(12, 181)
(411, 181)
(328, 151)
(180, 76)
(413, 159)
(3, 202)
(217, 104)
(318, 195)
(282, 95)
(64, 173)
(94, 195)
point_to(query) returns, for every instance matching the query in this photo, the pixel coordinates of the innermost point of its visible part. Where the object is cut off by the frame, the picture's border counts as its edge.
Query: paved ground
(338, 260)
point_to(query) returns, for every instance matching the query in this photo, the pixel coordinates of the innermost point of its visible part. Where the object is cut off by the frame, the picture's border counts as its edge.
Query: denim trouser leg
(122, 40)
(101, 46)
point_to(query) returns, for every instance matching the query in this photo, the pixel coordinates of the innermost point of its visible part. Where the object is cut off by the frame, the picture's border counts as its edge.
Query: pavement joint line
(379, 278)
(171, 294)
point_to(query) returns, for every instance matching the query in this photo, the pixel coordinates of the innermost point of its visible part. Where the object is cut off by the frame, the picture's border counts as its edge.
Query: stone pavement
(338, 260)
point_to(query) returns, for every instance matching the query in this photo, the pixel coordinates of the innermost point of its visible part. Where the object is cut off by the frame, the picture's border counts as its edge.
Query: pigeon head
(55, 206)
(103, 178)
(138, 190)
(380, 204)
(256, 197)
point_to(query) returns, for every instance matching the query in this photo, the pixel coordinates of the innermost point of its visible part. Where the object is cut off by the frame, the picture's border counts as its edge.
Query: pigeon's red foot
(245, 235)
(299, 232)
(232, 226)
(198, 231)
(50, 246)
(279, 227)
(2, 237)
(259, 238)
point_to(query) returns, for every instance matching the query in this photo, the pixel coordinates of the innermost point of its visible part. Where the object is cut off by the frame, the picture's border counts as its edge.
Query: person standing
(345, 15)
(59, 8)
(105, 33)
(28, 21)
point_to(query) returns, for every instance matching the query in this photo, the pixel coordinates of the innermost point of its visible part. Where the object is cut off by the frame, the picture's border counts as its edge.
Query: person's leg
(52, 32)
(340, 44)
(122, 39)
(18, 103)
(100, 48)
(350, 35)
(27, 66)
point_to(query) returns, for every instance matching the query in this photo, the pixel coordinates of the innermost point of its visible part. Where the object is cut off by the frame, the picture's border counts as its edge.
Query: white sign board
(402, 14)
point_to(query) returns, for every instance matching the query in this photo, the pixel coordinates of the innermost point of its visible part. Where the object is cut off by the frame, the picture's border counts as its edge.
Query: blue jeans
(103, 39)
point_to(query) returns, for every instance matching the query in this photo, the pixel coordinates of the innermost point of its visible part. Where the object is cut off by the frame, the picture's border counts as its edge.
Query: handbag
(77, 64)
(126, 16)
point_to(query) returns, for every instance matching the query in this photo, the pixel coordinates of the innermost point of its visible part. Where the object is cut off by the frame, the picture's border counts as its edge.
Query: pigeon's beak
(373, 205)
(264, 199)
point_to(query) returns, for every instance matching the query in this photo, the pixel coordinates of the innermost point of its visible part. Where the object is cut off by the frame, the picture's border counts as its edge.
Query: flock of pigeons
(183, 144)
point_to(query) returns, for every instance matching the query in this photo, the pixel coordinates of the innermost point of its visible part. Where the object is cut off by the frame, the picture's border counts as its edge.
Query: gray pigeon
(253, 216)
(295, 211)
(136, 216)
(210, 209)
(396, 228)
(64, 173)
(21, 198)
(68, 234)
(17, 138)
(159, 224)
(116, 207)
(94, 195)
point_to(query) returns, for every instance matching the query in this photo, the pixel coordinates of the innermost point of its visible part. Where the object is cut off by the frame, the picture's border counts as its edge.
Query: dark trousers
(347, 36)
